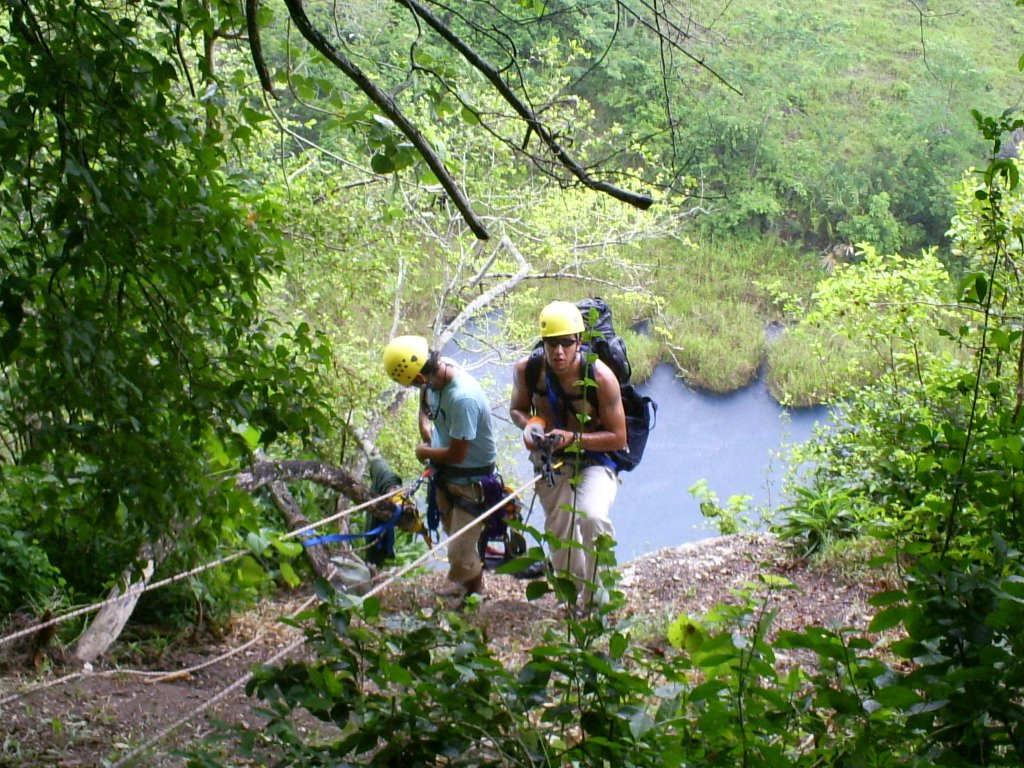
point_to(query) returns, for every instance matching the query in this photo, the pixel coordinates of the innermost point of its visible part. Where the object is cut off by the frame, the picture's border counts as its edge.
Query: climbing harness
(496, 495)
(497, 540)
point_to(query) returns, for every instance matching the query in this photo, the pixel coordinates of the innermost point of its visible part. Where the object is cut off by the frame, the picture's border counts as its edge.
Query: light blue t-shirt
(462, 412)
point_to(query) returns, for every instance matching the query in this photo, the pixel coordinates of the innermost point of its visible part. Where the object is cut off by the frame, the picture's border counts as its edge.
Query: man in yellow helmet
(458, 442)
(557, 411)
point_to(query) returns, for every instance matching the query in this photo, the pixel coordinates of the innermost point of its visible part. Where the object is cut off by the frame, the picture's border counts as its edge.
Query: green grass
(801, 371)
(644, 354)
(862, 558)
(716, 306)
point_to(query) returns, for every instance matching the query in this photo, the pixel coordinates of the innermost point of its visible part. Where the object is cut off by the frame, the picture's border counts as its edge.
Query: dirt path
(71, 718)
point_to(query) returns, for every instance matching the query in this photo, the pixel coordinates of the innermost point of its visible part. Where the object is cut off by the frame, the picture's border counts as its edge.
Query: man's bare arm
(521, 403)
(454, 453)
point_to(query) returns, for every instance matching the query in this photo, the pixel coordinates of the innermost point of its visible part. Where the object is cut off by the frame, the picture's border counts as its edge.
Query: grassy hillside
(851, 120)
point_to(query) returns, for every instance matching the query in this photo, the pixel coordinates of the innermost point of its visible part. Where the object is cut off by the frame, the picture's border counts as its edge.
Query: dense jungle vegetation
(216, 213)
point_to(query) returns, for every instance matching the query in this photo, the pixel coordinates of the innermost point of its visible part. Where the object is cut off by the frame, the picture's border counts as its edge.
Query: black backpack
(641, 411)
(597, 317)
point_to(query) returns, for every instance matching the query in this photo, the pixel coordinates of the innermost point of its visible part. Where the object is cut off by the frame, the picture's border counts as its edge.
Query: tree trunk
(318, 556)
(110, 620)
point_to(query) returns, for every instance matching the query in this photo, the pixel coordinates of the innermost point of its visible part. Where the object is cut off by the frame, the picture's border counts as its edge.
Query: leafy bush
(26, 575)
(819, 515)
(931, 453)
(963, 649)
(423, 688)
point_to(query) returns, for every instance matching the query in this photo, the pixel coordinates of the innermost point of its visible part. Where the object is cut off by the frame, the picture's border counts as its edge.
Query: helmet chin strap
(444, 375)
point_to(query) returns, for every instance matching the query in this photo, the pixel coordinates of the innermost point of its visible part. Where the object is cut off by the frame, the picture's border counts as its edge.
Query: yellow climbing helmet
(560, 318)
(404, 357)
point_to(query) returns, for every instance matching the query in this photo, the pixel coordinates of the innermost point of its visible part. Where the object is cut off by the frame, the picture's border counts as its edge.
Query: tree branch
(486, 298)
(252, 9)
(643, 202)
(318, 557)
(390, 109)
(265, 473)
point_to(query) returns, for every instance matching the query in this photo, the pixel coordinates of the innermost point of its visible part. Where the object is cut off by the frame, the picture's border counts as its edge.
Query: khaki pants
(579, 514)
(463, 559)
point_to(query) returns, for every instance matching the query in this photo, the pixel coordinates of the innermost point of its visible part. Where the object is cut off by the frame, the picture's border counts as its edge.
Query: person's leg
(464, 564)
(594, 498)
(559, 519)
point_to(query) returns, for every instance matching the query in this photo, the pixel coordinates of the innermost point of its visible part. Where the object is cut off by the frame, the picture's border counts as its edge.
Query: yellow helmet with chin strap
(560, 318)
(404, 357)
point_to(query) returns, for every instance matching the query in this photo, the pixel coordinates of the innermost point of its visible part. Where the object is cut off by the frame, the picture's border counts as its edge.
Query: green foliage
(857, 559)
(928, 456)
(876, 226)
(872, 321)
(138, 354)
(732, 518)
(847, 124)
(797, 374)
(131, 276)
(830, 123)
(819, 515)
(964, 646)
(590, 694)
(423, 686)
(27, 577)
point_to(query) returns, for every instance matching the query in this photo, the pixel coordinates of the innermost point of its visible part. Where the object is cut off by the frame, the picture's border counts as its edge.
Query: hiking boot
(474, 586)
(533, 571)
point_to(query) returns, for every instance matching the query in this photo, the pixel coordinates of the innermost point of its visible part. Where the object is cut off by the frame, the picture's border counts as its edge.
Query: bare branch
(252, 9)
(264, 473)
(486, 298)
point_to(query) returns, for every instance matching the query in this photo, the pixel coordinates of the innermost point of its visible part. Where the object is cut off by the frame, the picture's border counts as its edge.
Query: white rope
(25, 690)
(221, 695)
(215, 699)
(129, 593)
(444, 544)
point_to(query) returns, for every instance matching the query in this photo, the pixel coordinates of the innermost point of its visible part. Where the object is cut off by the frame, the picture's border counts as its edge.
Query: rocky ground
(68, 717)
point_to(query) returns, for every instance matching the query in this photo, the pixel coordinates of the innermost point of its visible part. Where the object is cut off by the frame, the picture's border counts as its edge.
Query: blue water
(736, 442)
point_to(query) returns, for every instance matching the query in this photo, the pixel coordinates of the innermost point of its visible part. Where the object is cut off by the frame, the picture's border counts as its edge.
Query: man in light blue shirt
(458, 442)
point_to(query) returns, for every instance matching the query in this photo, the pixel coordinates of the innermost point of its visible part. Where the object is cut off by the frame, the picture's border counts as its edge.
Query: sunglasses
(565, 343)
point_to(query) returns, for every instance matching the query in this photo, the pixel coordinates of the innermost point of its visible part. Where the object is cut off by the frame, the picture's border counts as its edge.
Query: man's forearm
(518, 417)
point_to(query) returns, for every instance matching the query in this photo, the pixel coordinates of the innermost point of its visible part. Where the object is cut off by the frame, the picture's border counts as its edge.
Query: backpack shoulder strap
(533, 364)
(556, 394)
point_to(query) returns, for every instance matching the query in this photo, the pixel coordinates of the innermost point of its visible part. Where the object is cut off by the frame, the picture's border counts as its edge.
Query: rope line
(180, 673)
(444, 544)
(130, 592)
(225, 692)
(156, 675)
(348, 512)
(213, 700)
(25, 690)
